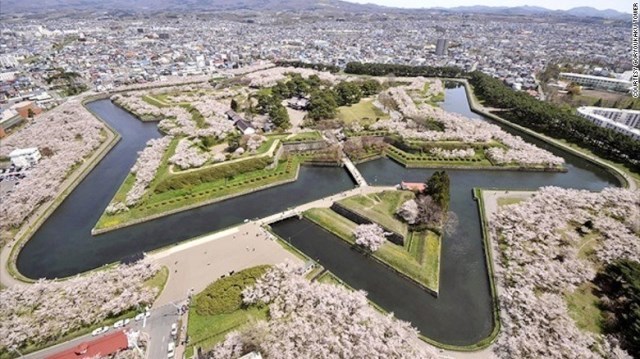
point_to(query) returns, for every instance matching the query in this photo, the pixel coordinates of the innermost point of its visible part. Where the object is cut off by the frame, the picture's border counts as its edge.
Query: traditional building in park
(241, 124)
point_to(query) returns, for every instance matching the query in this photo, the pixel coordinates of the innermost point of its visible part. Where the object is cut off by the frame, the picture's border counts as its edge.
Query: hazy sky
(620, 5)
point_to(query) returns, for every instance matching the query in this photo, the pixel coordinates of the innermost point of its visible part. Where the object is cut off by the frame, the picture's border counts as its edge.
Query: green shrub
(225, 295)
(210, 174)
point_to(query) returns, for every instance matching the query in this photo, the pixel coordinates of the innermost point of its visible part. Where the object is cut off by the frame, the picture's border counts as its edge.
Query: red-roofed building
(413, 186)
(101, 347)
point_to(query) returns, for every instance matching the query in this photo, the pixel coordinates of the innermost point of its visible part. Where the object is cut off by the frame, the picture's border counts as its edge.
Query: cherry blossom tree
(370, 236)
(188, 155)
(270, 77)
(458, 128)
(146, 167)
(539, 261)
(455, 153)
(315, 320)
(71, 133)
(47, 310)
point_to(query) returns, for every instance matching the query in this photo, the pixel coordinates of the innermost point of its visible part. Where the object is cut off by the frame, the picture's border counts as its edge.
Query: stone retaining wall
(360, 219)
(305, 146)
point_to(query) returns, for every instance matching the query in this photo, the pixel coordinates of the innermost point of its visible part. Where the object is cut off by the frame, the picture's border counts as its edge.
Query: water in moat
(461, 315)
(64, 246)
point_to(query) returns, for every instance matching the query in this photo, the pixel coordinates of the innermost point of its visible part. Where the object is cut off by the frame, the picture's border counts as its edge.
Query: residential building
(599, 82)
(626, 122)
(442, 45)
(25, 157)
(9, 118)
(23, 109)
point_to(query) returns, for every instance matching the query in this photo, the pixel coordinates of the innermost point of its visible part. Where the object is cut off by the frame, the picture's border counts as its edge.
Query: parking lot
(11, 177)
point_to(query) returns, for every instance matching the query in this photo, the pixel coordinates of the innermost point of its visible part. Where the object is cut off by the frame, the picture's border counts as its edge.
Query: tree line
(306, 65)
(550, 120)
(374, 69)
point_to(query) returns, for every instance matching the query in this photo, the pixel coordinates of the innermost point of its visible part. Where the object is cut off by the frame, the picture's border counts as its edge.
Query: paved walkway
(194, 265)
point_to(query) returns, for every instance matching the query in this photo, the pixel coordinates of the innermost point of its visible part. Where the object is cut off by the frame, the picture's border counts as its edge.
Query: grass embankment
(380, 208)
(155, 101)
(418, 259)
(218, 310)
(154, 204)
(159, 280)
(363, 112)
(304, 136)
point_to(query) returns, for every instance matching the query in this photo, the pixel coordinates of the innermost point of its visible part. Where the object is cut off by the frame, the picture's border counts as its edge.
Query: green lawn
(419, 259)
(380, 208)
(218, 309)
(363, 112)
(583, 308)
(505, 201)
(433, 100)
(154, 101)
(206, 331)
(159, 280)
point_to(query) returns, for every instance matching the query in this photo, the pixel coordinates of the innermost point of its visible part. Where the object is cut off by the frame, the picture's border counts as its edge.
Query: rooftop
(611, 79)
(22, 151)
(101, 347)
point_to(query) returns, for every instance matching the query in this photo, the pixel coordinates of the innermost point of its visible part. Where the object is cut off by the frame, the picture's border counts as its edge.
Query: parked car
(127, 321)
(118, 324)
(139, 317)
(147, 314)
(171, 350)
(100, 330)
(174, 330)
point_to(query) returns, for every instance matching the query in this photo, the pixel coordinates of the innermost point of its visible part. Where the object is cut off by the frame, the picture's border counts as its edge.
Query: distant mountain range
(13, 6)
(582, 11)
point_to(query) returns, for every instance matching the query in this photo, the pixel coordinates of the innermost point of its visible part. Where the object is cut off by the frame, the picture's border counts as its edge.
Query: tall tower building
(441, 47)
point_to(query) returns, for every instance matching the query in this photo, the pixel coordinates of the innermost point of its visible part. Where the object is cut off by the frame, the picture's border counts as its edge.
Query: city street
(157, 326)
(159, 329)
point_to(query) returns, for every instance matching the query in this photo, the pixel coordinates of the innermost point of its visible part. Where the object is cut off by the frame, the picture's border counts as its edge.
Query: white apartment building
(600, 82)
(25, 157)
(624, 121)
